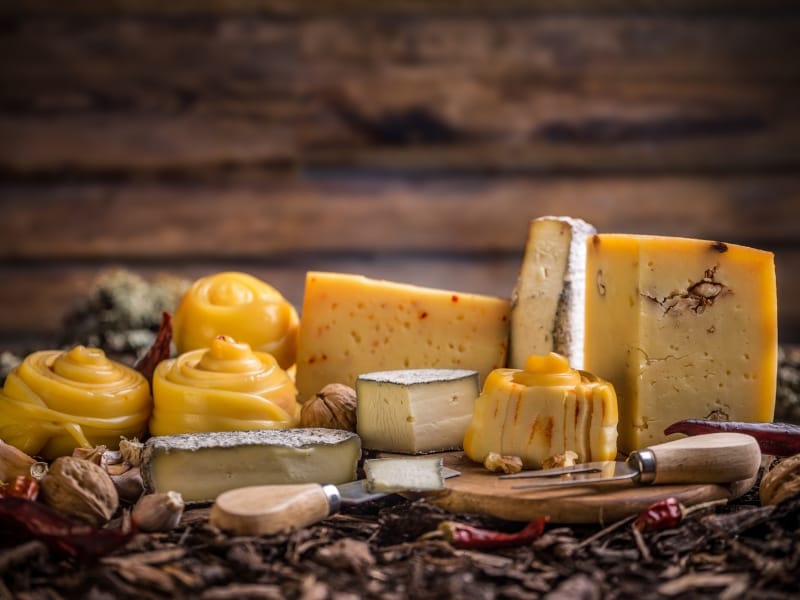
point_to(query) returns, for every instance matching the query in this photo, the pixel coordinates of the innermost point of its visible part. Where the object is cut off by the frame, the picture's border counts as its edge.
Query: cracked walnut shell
(81, 490)
(333, 407)
(782, 481)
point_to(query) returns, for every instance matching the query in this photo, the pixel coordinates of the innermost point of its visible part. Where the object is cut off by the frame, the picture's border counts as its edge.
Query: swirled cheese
(544, 409)
(226, 387)
(56, 401)
(242, 307)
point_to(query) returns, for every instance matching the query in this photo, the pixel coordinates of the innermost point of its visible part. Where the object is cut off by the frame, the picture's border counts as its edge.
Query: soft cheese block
(203, 465)
(351, 325)
(542, 410)
(683, 328)
(548, 303)
(415, 411)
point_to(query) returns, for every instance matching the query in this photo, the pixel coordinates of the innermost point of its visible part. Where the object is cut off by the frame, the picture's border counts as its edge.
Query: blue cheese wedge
(201, 466)
(415, 411)
(404, 474)
(548, 302)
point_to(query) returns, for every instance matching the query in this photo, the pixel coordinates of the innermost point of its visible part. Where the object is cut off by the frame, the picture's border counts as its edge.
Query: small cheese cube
(404, 474)
(200, 466)
(415, 411)
(543, 410)
(548, 303)
(352, 325)
(683, 328)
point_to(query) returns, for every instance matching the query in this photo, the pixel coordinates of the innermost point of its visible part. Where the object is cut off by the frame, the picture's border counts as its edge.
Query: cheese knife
(709, 458)
(267, 509)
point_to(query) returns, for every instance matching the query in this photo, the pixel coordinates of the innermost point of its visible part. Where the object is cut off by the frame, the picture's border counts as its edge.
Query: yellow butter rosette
(55, 401)
(226, 387)
(241, 306)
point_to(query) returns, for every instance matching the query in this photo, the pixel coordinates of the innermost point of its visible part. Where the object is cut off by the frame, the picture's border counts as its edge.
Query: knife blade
(709, 458)
(267, 509)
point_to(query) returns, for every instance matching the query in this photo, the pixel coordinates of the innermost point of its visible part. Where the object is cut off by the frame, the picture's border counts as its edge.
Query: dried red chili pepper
(22, 519)
(665, 514)
(159, 350)
(777, 439)
(22, 487)
(466, 536)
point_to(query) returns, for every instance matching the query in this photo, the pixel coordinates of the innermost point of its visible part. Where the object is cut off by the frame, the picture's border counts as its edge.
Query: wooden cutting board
(477, 490)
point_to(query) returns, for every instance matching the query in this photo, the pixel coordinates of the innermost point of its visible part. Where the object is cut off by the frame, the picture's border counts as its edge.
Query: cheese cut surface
(202, 466)
(415, 411)
(352, 325)
(543, 410)
(683, 329)
(548, 303)
(404, 474)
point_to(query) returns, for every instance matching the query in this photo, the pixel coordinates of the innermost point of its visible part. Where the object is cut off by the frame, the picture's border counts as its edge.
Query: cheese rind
(352, 325)
(201, 466)
(683, 328)
(415, 411)
(543, 410)
(548, 303)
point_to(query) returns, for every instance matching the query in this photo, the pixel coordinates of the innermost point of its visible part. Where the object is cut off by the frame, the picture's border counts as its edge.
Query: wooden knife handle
(710, 458)
(267, 509)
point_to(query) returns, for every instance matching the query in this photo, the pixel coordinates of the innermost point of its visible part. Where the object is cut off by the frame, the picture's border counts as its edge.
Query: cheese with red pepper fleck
(352, 325)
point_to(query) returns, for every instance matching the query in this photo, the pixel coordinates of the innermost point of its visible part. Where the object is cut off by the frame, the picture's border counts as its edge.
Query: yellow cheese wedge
(543, 410)
(548, 303)
(352, 325)
(683, 328)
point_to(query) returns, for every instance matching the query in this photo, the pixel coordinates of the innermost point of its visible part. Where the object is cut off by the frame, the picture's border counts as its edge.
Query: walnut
(81, 490)
(507, 464)
(333, 407)
(782, 481)
(559, 461)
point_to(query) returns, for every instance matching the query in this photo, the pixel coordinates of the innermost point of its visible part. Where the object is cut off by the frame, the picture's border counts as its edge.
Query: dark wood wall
(403, 139)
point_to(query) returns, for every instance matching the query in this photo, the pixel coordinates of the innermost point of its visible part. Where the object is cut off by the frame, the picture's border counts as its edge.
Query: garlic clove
(13, 462)
(158, 512)
(131, 451)
(129, 485)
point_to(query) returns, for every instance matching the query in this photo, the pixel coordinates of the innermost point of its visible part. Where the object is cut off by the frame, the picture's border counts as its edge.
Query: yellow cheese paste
(545, 409)
(241, 306)
(56, 401)
(226, 387)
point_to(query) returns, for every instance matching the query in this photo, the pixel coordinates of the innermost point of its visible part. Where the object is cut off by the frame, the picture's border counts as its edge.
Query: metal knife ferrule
(644, 462)
(334, 498)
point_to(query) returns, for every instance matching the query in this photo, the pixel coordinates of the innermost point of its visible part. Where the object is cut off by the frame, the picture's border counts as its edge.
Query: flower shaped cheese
(56, 401)
(240, 306)
(226, 387)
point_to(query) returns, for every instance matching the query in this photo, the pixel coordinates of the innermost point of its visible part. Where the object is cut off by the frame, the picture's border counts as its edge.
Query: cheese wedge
(543, 410)
(683, 328)
(203, 465)
(548, 303)
(415, 411)
(352, 325)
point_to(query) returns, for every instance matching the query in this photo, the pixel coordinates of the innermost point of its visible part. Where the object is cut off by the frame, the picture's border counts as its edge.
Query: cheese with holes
(548, 303)
(415, 411)
(352, 325)
(683, 328)
(545, 409)
(201, 466)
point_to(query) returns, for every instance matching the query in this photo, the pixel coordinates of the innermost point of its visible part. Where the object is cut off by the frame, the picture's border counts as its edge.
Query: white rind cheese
(548, 303)
(415, 411)
(201, 466)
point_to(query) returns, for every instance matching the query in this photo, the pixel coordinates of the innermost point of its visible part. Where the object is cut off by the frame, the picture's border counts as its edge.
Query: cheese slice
(548, 303)
(543, 410)
(203, 465)
(415, 411)
(404, 474)
(683, 328)
(352, 325)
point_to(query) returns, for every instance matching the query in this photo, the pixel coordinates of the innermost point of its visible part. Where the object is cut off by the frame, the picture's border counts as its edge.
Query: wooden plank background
(406, 139)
